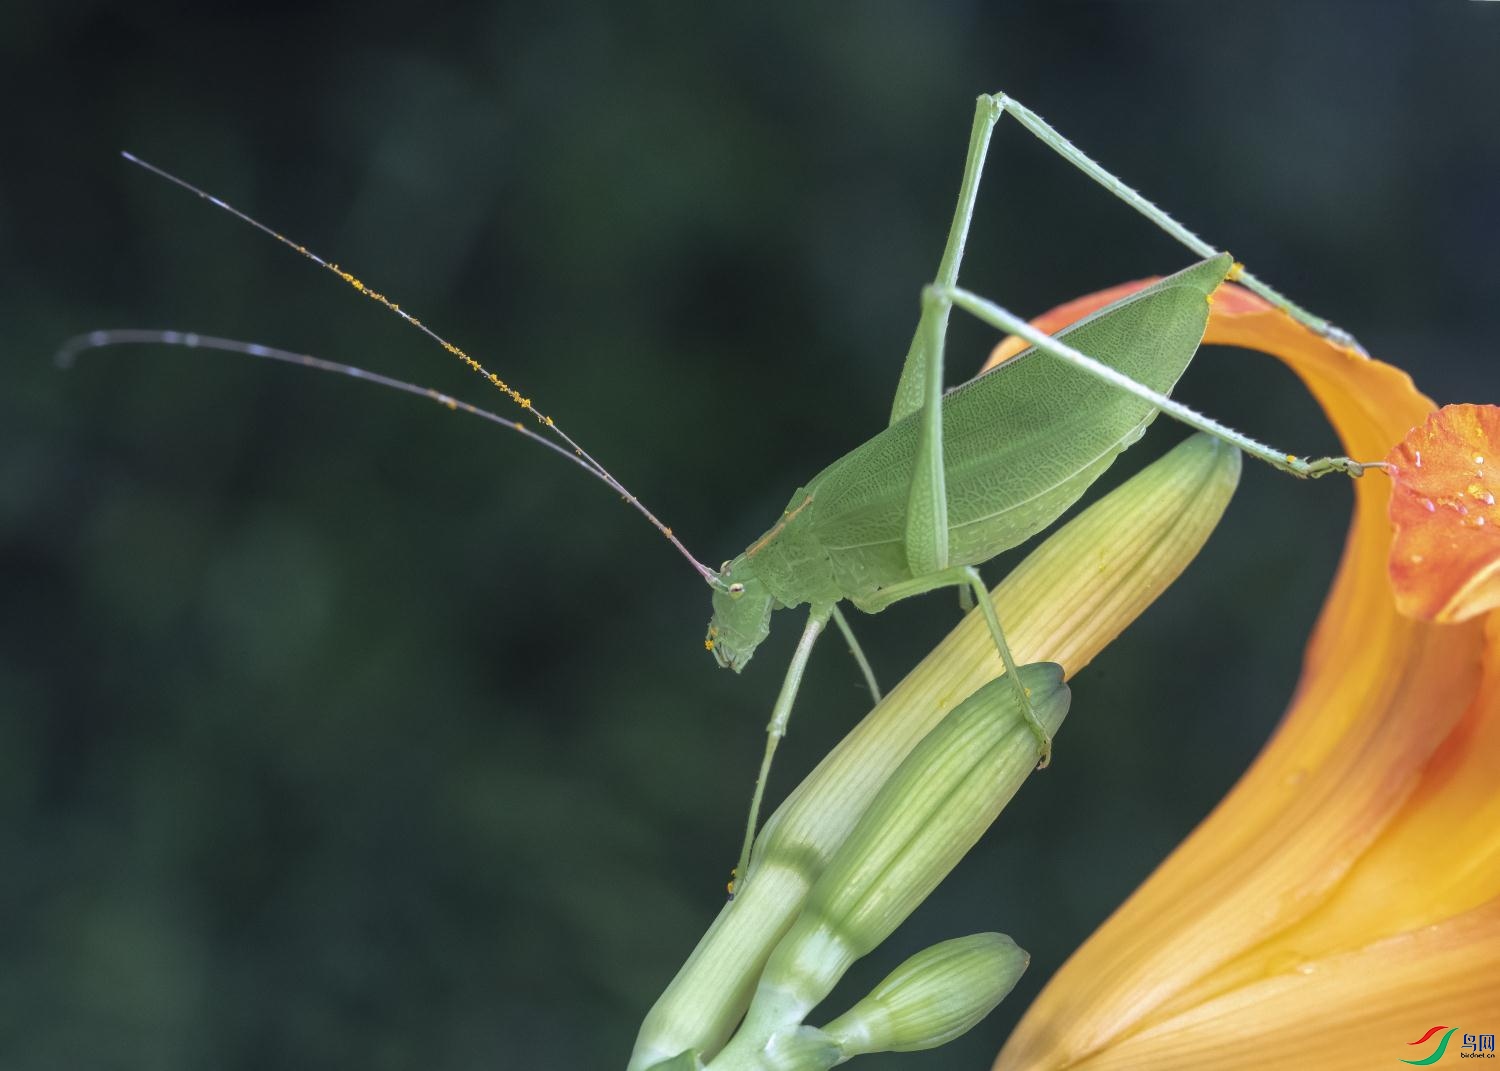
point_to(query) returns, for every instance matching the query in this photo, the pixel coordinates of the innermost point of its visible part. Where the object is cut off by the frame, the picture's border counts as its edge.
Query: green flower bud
(931, 811)
(937, 995)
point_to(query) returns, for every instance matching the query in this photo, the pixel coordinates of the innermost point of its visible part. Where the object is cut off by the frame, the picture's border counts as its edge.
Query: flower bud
(931, 811)
(935, 996)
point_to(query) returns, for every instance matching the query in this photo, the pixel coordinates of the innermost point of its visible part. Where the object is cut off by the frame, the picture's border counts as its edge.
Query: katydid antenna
(97, 339)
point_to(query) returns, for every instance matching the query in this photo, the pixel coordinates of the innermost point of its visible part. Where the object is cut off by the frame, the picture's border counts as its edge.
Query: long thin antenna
(374, 295)
(68, 352)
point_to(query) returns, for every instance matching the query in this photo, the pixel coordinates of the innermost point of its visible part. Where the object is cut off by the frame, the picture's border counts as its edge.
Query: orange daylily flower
(1445, 561)
(1345, 896)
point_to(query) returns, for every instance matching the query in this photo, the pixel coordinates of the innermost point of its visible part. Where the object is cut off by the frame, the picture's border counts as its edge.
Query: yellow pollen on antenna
(1235, 271)
(708, 645)
(375, 295)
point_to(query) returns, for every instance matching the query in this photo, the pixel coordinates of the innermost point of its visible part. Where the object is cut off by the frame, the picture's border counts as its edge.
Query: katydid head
(742, 614)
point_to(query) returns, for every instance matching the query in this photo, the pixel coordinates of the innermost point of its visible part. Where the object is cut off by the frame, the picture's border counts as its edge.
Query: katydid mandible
(954, 479)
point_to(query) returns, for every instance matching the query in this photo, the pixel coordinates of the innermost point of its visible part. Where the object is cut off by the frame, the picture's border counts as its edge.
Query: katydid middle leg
(858, 653)
(967, 578)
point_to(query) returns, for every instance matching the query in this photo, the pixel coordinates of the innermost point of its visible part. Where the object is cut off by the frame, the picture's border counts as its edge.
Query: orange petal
(1054, 320)
(1228, 300)
(1445, 561)
(1206, 957)
(1345, 1012)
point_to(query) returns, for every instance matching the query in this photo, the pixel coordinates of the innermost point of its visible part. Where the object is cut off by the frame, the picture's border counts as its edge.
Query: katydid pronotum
(955, 479)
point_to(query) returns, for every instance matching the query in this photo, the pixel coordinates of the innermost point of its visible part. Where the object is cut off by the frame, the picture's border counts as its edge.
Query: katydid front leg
(817, 618)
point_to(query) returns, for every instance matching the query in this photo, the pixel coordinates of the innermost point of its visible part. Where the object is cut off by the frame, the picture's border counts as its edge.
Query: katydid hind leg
(926, 535)
(921, 384)
(1055, 141)
(912, 389)
(920, 387)
(1003, 319)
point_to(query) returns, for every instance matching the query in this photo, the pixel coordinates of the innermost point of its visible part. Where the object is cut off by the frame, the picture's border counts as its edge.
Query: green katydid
(955, 479)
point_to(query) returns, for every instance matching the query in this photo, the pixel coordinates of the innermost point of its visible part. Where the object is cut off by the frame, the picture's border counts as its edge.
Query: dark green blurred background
(339, 732)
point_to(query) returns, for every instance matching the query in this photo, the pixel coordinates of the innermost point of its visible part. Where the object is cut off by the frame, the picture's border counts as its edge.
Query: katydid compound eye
(736, 590)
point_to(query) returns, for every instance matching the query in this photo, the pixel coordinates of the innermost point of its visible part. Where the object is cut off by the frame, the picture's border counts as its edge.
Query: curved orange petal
(1445, 562)
(1054, 320)
(1344, 1012)
(1266, 914)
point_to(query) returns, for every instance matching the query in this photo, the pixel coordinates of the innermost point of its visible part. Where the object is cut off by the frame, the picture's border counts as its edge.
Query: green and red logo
(1474, 1046)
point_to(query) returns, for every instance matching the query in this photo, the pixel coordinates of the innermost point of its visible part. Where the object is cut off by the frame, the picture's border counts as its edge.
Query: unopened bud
(931, 811)
(937, 995)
